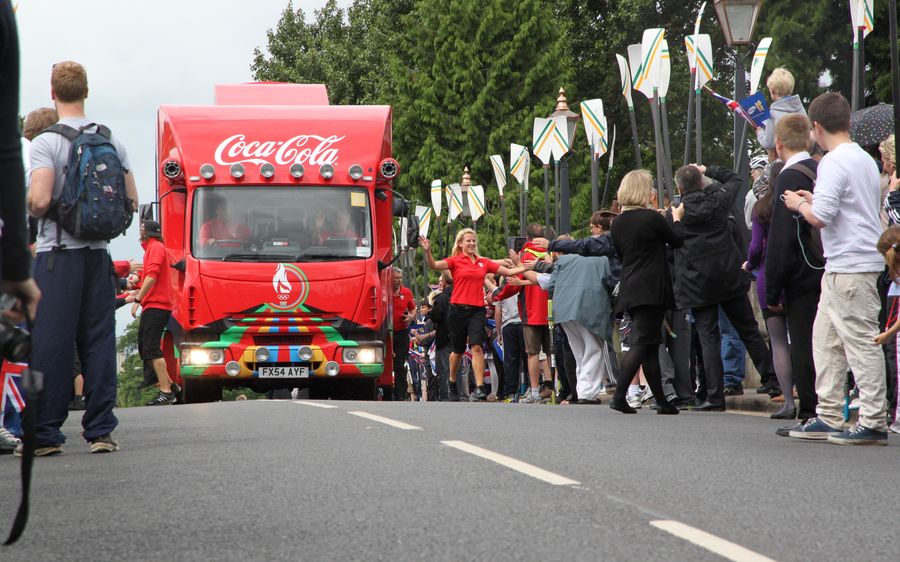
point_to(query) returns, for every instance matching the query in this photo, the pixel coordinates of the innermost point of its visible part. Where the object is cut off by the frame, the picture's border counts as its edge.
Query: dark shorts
(646, 325)
(537, 339)
(467, 323)
(150, 331)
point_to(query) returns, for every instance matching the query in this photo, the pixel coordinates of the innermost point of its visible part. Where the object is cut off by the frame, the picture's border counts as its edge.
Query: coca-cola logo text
(302, 149)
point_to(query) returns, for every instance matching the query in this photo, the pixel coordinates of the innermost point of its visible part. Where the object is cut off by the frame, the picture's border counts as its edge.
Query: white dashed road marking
(712, 543)
(385, 421)
(509, 462)
(315, 404)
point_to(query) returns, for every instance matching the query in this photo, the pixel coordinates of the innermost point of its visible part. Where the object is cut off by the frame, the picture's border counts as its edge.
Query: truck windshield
(276, 224)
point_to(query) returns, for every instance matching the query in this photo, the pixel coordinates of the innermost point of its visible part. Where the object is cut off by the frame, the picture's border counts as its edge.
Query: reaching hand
(542, 243)
(514, 257)
(700, 167)
(27, 296)
(425, 243)
(678, 212)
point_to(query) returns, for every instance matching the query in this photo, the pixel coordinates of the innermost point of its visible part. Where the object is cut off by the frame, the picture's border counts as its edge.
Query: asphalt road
(281, 480)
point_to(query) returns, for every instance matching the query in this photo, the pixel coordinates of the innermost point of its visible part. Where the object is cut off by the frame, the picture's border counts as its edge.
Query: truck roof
(311, 135)
(271, 93)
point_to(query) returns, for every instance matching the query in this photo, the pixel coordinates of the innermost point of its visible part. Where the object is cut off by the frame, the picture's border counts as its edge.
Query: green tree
(130, 392)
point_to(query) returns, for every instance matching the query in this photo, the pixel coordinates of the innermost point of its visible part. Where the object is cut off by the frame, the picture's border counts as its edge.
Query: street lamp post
(562, 110)
(464, 184)
(738, 21)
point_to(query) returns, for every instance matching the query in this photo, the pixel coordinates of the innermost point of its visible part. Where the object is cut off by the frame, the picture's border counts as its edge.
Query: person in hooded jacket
(784, 102)
(708, 274)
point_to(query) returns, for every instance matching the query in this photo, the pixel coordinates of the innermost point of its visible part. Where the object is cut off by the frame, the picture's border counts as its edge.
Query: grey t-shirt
(509, 310)
(51, 150)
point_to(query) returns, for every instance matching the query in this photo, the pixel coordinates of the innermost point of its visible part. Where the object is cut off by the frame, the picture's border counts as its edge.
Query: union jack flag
(10, 393)
(733, 106)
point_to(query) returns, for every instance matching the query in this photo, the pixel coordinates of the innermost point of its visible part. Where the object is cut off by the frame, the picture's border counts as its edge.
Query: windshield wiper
(314, 256)
(258, 257)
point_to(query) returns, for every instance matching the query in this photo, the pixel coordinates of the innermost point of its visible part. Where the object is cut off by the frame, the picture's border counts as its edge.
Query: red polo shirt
(403, 301)
(468, 278)
(156, 265)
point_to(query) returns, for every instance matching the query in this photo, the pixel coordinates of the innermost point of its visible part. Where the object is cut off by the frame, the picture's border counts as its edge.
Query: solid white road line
(517, 465)
(712, 543)
(385, 421)
(315, 404)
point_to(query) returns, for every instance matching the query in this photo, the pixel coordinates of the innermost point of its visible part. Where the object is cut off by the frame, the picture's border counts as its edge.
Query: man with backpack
(793, 270)
(83, 198)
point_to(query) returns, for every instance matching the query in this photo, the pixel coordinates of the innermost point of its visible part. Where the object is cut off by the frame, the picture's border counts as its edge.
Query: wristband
(801, 204)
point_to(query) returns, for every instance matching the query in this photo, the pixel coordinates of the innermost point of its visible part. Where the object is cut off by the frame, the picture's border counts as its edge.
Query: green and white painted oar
(595, 127)
(612, 153)
(500, 177)
(648, 83)
(692, 62)
(519, 166)
(862, 18)
(759, 63)
(543, 140)
(704, 72)
(625, 80)
(665, 73)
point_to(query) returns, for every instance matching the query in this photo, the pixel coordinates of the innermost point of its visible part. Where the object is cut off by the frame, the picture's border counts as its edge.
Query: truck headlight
(363, 355)
(203, 356)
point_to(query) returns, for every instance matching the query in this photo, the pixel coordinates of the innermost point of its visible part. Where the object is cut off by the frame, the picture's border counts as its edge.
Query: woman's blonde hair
(457, 248)
(889, 246)
(888, 148)
(635, 189)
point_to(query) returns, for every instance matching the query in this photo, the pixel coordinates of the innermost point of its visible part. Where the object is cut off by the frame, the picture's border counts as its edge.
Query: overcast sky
(140, 55)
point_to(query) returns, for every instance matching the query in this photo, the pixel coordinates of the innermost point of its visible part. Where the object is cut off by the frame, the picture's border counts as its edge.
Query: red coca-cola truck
(277, 211)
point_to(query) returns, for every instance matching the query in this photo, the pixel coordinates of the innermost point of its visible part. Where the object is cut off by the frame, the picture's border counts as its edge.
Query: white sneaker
(634, 401)
(8, 441)
(895, 427)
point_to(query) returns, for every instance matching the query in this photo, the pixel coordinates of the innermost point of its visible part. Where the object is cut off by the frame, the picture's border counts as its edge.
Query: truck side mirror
(147, 212)
(412, 231)
(400, 207)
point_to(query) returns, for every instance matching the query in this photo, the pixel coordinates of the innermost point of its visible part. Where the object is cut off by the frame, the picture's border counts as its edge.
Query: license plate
(283, 372)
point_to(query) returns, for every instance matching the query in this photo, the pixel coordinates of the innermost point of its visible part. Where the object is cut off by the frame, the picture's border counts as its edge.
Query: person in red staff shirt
(223, 230)
(467, 318)
(404, 313)
(155, 298)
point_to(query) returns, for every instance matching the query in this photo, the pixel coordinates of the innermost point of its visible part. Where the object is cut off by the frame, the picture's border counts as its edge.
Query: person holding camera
(76, 276)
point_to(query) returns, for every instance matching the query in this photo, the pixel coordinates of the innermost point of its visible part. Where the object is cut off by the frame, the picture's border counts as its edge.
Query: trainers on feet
(895, 427)
(453, 392)
(859, 435)
(634, 401)
(737, 390)
(104, 444)
(8, 441)
(162, 399)
(77, 403)
(814, 430)
(479, 394)
(45, 451)
(531, 398)
(545, 392)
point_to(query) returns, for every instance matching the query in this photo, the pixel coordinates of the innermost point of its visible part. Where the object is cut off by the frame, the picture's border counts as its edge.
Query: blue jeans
(734, 353)
(77, 309)
(513, 351)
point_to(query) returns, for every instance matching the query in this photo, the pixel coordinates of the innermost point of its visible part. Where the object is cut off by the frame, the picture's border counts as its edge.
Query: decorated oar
(519, 165)
(665, 73)
(636, 66)
(692, 62)
(500, 177)
(704, 71)
(625, 79)
(595, 127)
(759, 63)
(862, 19)
(424, 214)
(612, 153)
(543, 144)
(895, 75)
(558, 149)
(648, 84)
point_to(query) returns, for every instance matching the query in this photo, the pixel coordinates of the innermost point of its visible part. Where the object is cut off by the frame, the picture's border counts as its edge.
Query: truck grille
(282, 339)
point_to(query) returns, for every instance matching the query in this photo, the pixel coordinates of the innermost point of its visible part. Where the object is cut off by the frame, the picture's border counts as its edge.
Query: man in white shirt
(845, 206)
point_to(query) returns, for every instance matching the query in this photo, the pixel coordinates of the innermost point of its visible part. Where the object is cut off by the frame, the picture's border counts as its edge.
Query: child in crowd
(889, 247)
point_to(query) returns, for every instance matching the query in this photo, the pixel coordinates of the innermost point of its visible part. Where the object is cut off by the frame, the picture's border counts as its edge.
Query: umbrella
(870, 126)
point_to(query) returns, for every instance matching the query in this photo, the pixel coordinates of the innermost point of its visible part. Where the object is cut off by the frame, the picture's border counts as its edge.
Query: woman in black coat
(645, 290)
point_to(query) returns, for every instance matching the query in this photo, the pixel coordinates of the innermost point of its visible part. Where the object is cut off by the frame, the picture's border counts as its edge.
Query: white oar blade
(591, 113)
(476, 201)
(759, 62)
(665, 70)
(542, 139)
(651, 60)
(455, 200)
(499, 172)
(559, 143)
(704, 60)
(625, 79)
(424, 214)
(436, 198)
(634, 63)
(518, 162)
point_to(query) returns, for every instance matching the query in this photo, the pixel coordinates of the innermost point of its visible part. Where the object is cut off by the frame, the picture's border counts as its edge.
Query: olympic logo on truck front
(291, 287)
(301, 149)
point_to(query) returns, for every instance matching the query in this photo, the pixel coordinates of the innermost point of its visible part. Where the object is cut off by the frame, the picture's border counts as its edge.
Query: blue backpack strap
(70, 133)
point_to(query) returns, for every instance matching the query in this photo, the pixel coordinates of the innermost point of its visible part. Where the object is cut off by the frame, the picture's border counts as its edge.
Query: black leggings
(644, 352)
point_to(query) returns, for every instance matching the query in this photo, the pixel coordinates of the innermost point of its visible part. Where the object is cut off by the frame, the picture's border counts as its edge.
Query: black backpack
(93, 204)
(809, 237)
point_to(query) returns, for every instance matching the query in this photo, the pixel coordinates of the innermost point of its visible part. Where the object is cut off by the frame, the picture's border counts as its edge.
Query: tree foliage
(467, 77)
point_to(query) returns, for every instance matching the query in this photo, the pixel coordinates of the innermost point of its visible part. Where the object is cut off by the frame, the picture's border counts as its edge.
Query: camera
(15, 342)
(676, 200)
(516, 243)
